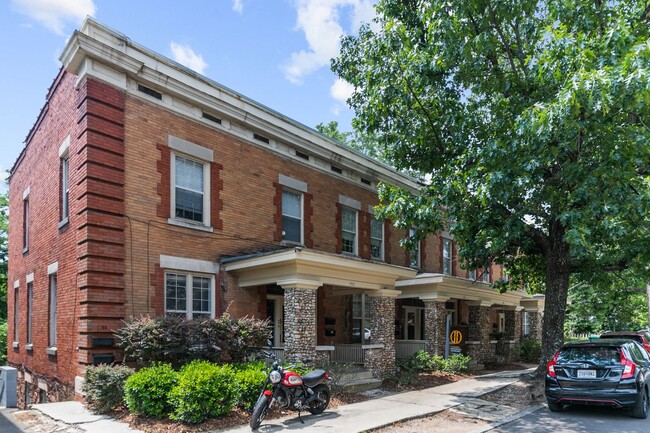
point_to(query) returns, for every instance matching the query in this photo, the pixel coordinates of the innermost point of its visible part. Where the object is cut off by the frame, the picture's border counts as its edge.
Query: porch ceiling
(444, 287)
(308, 268)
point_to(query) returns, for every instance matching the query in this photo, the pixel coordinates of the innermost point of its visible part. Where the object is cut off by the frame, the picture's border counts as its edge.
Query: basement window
(261, 138)
(302, 155)
(336, 169)
(149, 91)
(211, 118)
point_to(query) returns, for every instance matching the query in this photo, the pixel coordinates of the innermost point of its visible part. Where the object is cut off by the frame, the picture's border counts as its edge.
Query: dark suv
(641, 337)
(600, 372)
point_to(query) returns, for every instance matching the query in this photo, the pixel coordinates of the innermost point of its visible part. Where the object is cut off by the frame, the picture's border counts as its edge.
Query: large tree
(529, 121)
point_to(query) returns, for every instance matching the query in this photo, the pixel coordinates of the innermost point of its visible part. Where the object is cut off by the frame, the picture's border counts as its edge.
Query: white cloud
(320, 21)
(341, 90)
(54, 14)
(238, 6)
(186, 56)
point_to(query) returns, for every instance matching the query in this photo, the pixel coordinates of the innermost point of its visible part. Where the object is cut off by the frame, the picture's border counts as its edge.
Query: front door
(413, 323)
(275, 313)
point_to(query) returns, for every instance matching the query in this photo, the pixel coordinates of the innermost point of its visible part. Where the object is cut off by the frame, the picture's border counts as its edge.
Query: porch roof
(299, 267)
(430, 286)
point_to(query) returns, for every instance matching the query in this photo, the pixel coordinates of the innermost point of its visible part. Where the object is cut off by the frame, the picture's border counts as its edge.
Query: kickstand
(300, 418)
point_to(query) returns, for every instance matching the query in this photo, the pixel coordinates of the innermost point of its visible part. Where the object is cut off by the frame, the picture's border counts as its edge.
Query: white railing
(348, 353)
(407, 348)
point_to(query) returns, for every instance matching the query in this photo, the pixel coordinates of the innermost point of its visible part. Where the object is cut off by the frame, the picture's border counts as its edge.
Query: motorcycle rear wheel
(259, 411)
(321, 401)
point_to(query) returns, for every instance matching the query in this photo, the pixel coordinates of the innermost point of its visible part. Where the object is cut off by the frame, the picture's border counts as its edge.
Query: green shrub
(104, 386)
(456, 363)
(204, 390)
(530, 351)
(3, 342)
(250, 379)
(146, 392)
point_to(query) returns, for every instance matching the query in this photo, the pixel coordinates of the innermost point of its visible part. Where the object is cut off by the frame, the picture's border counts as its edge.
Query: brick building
(146, 188)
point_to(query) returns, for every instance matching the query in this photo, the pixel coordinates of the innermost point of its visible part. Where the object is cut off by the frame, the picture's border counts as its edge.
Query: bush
(456, 363)
(250, 379)
(530, 351)
(204, 390)
(177, 341)
(146, 392)
(104, 387)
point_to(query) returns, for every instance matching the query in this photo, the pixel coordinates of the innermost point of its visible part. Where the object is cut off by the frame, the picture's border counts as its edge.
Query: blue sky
(274, 51)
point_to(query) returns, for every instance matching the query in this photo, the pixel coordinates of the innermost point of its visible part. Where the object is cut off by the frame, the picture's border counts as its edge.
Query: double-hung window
(292, 216)
(525, 324)
(52, 336)
(486, 274)
(30, 309)
(190, 183)
(447, 262)
(65, 188)
(414, 254)
(26, 220)
(189, 295)
(16, 312)
(349, 230)
(377, 239)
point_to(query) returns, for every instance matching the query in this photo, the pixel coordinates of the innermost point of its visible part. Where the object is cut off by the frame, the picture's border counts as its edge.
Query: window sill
(292, 244)
(346, 254)
(51, 351)
(16, 345)
(189, 225)
(64, 222)
(29, 347)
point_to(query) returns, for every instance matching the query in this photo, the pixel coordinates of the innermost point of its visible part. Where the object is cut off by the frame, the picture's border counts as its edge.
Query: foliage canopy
(529, 119)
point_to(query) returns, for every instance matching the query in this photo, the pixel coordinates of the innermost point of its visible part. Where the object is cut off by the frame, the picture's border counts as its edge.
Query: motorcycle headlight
(275, 376)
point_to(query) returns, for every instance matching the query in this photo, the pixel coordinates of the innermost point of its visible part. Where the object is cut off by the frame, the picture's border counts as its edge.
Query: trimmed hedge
(147, 391)
(177, 341)
(104, 386)
(250, 379)
(204, 390)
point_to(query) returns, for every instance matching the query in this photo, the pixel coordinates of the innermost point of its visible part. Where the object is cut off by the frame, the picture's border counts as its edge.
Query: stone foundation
(42, 389)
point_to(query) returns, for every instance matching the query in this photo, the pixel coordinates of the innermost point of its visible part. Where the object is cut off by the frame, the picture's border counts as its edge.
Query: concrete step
(362, 385)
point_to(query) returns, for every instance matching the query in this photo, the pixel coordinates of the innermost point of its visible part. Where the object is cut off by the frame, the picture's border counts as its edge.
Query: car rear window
(590, 354)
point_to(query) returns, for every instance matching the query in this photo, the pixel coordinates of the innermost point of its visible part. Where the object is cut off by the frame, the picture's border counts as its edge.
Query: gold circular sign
(455, 337)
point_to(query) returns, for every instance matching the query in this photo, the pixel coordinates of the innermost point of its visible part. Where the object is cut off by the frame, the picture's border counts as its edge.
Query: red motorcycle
(290, 391)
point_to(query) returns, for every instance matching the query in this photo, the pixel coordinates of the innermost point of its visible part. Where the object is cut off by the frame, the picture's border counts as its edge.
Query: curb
(508, 419)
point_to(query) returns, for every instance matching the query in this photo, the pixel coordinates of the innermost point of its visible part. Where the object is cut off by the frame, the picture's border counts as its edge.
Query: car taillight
(628, 366)
(550, 367)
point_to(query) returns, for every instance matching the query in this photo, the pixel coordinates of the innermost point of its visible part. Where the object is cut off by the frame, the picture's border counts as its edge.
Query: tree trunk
(557, 288)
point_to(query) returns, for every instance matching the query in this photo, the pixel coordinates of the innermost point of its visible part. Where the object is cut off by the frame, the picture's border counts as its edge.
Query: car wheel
(554, 406)
(640, 409)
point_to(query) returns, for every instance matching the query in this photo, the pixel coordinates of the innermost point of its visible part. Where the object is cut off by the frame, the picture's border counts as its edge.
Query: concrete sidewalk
(391, 408)
(382, 409)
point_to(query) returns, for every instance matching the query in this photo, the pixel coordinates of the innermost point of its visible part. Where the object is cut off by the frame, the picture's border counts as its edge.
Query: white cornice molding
(114, 50)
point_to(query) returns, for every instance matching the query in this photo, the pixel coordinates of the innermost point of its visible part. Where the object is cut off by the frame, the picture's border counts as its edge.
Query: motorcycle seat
(314, 377)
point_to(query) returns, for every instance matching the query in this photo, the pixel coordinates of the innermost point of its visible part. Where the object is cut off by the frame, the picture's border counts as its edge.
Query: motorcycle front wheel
(259, 411)
(319, 404)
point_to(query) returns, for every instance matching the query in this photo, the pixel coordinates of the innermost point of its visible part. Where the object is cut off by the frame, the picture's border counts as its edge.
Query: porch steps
(359, 381)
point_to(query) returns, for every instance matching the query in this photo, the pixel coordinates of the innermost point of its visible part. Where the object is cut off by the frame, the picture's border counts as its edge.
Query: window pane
(175, 291)
(291, 204)
(201, 296)
(376, 248)
(52, 324)
(446, 257)
(348, 242)
(189, 174)
(291, 229)
(349, 220)
(376, 229)
(65, 190)
(189, 205)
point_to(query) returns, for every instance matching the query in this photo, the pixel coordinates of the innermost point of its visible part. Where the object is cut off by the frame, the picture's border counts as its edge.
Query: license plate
(586, 374)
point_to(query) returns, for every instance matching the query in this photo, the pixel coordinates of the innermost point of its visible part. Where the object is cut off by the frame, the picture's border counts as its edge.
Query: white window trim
(16, 313)
(449, 259)
(26, 217)
(381, 250)
(30, 312)
(302, 217)
(355, 250)
(187, 266)
(65, 190)
(52, 272)
(189, 292)
(206, 224)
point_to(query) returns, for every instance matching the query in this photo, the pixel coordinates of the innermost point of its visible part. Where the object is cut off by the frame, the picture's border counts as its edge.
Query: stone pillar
(479, 332)
(435, 326)
(518, 314)
(510, 331)
(380, 354)
(300, 321)
(535, 323)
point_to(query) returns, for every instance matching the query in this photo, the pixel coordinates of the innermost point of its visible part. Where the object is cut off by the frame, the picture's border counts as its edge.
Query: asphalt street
(577, 420)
